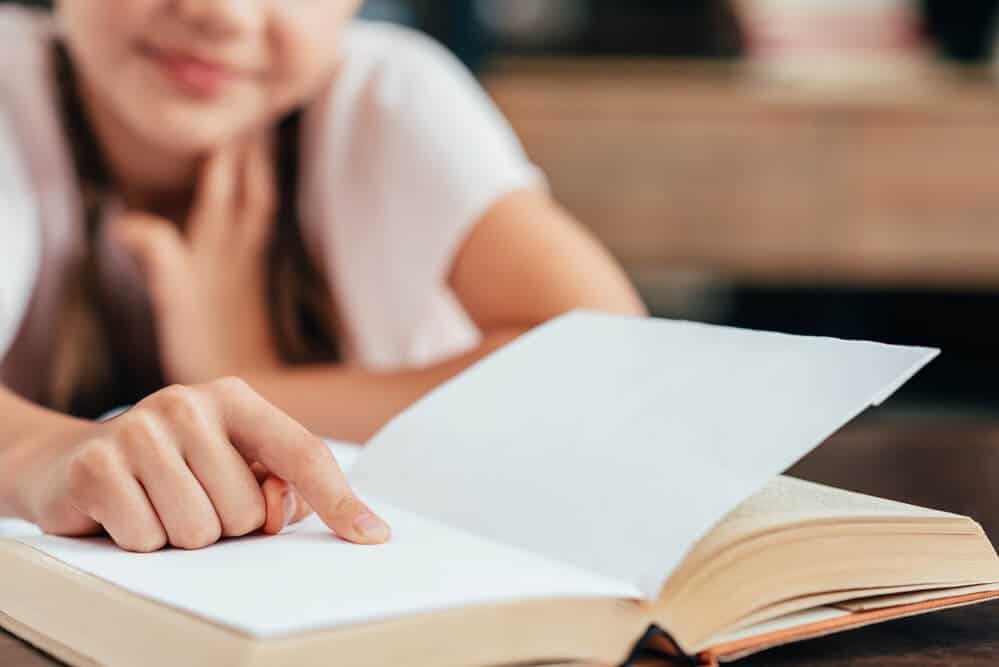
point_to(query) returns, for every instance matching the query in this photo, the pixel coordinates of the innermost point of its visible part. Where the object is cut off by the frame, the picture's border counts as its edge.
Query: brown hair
(88, 375)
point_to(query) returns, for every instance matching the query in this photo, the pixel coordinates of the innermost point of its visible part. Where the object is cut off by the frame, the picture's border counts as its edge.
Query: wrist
(23, 461)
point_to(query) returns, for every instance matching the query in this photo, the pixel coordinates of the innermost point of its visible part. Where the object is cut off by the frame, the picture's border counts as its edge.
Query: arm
(524, 263)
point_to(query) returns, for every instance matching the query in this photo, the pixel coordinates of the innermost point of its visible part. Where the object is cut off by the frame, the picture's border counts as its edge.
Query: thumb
(156, 245)
(284, 505)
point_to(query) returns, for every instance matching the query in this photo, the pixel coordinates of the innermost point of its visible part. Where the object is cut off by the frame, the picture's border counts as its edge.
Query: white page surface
(615, 443)
(305, 579)
(13, 528)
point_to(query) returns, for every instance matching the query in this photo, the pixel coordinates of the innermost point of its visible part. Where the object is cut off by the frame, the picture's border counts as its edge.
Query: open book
(602, 481)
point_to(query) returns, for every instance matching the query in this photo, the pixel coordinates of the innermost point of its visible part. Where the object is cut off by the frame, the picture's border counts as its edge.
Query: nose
(221, 17)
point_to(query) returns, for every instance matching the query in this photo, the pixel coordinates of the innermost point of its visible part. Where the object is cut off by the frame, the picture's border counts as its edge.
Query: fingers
(157, 246)
(258, 195)
(184, 509)
(263, 433)
(236, 197)
(215, 200)
(234, 490)
(103, 488)
(174, 469)
(284, 505)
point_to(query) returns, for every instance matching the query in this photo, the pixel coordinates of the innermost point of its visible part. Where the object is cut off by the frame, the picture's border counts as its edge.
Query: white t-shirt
(400, 157)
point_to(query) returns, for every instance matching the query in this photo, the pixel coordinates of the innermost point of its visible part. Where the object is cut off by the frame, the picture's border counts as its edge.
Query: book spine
(659, 646)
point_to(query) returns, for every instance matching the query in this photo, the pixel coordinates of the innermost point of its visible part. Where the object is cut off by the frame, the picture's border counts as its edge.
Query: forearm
(25, 432)
(352, 404)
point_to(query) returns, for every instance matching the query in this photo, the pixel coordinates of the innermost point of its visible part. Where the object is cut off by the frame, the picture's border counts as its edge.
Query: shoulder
(389, 51)
(398, 98)
(400, 104)
(393, 70)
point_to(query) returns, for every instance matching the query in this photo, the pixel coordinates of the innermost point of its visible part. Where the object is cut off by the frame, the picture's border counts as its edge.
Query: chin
(182, 126)
(181, 130)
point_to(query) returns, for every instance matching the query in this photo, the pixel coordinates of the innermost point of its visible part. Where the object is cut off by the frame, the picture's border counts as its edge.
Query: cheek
(303, 57)
(101, 32)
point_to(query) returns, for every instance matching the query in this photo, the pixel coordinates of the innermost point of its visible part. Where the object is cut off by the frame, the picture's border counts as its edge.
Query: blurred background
(813, 166)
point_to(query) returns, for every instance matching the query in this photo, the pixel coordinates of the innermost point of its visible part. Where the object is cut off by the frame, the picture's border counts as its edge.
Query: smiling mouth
(193, 75)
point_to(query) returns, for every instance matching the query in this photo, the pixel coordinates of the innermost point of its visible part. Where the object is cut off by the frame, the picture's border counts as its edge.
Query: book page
(786, 622)
(306, 579)
(616, 443)
(10, 528)
(915, 597)
(786, 501)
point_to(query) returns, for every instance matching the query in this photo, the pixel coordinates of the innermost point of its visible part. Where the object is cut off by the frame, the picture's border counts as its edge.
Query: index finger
(215, 197)
(263, 433)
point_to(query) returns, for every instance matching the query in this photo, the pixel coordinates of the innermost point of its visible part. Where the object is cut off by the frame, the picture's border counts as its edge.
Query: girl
(201, 189)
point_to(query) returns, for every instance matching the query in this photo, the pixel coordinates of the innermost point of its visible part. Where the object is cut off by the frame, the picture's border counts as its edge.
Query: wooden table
(948, 463)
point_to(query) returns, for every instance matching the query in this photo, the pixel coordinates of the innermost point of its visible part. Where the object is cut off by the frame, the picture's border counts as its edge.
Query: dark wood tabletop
(949, 463)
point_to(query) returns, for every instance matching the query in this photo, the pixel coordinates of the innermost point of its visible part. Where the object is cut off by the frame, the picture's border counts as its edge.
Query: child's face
(189, 75)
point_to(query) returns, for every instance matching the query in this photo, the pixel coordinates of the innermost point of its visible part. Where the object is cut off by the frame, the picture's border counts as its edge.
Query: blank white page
(615, 443)
(306, 579)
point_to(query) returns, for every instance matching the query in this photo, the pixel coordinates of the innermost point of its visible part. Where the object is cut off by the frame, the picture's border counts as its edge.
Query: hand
(178, 469)
(207, 278)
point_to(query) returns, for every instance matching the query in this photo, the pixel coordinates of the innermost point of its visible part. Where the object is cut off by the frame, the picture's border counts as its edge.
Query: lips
(192, 74)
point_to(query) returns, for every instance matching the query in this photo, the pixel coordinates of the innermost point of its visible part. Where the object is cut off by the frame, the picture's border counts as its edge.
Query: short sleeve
(450, 153)
(20, 241)
(417, 153)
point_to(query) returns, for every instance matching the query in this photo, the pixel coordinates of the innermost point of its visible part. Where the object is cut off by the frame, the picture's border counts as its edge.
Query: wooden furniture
(712, 168)
(950, 464)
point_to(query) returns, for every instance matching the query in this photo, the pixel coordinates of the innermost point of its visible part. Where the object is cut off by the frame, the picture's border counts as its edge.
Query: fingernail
(371, 527)
(290, 505)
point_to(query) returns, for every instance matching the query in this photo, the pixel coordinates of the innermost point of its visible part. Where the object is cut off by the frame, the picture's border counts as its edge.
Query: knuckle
(157, 460)
(90, 471)
(147, 446)
(163, 236)
(246, 519)
(232, 386)
(94, 461)
(179, 404)
(197, 535)
(349, 505)
(139, 432)
(144, 543)
(310, 457)
(162, 244)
